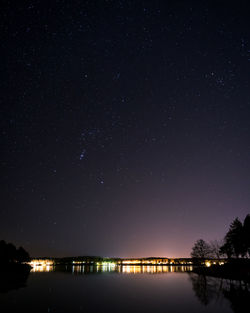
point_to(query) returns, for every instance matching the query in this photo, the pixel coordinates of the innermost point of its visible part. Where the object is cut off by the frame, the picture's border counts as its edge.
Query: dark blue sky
(124, 125)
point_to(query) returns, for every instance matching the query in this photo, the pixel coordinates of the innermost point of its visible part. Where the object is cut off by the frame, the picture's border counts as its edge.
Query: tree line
(235, 244)
(10, 254)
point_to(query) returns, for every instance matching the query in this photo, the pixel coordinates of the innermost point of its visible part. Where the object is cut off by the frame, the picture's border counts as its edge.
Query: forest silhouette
(9, 254)
(14, 271)
(236, 243)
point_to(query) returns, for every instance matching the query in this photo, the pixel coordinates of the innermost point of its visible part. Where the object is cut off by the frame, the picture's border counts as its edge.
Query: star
(82, 155)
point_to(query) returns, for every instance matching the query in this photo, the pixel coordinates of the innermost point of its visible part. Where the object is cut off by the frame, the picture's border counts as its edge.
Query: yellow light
(41, 265)
(208, 264)
(132, 261)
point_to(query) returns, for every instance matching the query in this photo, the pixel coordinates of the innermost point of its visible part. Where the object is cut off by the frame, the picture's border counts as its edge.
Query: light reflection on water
(137, 269)
(42, 268)
(124, 269)
(116, 288)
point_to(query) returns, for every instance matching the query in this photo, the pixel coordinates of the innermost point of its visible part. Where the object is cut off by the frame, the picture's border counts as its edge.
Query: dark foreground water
(127, 289)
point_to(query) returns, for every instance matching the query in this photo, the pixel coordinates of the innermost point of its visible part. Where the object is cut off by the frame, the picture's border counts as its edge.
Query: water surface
(124, 289)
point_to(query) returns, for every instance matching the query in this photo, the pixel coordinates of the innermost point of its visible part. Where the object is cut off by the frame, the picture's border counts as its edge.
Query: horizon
(109, 257)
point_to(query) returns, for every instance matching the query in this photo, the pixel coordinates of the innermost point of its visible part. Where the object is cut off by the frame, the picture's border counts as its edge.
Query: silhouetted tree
(9, 253)
(3, 252)
(22, 255)
(201, 250)
(246, 234)
(227, 249)
(233, 242)
(215, 247)
(236, 243)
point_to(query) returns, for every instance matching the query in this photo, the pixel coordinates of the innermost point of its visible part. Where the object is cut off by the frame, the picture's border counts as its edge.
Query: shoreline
(227, 271)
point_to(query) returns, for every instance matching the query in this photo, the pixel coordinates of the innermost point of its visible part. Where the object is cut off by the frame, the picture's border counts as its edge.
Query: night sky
(125, 125)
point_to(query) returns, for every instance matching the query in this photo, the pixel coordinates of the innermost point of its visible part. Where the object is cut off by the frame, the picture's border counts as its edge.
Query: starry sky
(125, 125)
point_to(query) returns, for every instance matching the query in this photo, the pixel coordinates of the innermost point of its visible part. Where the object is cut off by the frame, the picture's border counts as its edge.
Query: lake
(123, 289)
